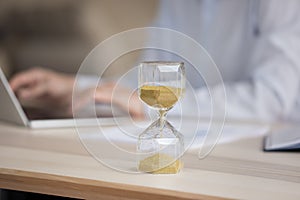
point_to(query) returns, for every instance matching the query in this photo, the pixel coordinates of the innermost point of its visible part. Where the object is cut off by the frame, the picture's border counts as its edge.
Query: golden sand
(155, 164)
(160, 96)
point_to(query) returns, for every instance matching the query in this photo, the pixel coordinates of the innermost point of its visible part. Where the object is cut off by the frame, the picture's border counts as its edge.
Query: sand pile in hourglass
(160, 164)
(160, 96)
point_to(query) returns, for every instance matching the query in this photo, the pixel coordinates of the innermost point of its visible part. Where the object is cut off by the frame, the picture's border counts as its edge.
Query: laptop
(11, 111)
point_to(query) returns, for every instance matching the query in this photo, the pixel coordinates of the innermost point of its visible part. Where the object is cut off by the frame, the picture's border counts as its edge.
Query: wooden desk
(55, 162)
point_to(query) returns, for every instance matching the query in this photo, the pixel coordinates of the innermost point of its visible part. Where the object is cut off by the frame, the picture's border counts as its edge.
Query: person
(253, 42)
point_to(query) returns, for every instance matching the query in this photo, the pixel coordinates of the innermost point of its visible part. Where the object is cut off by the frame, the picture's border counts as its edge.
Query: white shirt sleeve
(274, 86)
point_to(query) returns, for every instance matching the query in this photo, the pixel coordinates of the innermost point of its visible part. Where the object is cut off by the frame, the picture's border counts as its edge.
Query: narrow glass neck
(162, 118)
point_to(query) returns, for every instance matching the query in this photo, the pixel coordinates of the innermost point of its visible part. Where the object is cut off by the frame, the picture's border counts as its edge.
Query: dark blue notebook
(285, 139)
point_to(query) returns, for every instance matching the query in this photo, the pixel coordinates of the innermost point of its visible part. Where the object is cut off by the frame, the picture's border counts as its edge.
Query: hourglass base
(160, 147)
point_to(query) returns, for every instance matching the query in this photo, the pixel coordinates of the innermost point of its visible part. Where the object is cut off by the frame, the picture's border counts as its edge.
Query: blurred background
(59, 34)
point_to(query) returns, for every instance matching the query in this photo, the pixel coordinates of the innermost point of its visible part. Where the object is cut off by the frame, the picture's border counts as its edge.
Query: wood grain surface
(55, 162)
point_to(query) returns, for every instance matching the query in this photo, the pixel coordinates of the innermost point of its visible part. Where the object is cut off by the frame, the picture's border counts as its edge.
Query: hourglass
(161, 85)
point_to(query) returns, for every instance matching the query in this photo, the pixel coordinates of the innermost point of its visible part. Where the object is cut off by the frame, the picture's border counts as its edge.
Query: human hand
(44, 90)
(111, 93)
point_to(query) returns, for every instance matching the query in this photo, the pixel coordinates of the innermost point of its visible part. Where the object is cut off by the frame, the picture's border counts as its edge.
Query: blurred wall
(59, 34)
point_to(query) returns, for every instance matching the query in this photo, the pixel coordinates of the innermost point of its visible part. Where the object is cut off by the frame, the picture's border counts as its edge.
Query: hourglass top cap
(162, 62)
